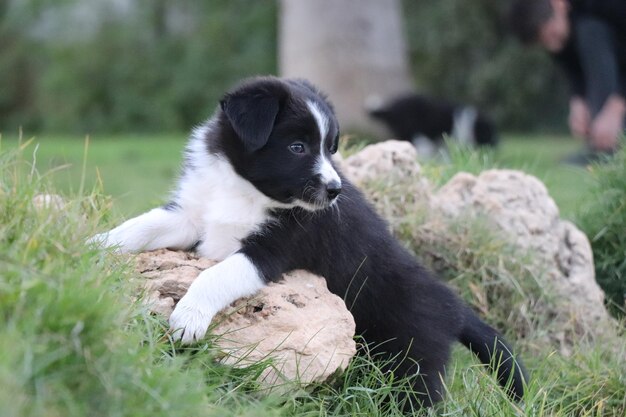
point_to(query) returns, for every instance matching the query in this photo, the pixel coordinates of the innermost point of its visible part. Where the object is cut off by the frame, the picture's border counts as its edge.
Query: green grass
(139, 170)
(603, 218)
(75, 342)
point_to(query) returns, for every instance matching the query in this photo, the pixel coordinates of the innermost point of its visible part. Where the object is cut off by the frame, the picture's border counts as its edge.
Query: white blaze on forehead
(323, 166)
(320, 119)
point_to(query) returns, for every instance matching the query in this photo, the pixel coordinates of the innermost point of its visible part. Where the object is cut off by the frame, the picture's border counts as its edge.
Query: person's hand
(579, 117)
(608, 125)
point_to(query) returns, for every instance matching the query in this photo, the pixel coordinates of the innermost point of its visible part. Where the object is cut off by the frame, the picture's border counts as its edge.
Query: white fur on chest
(222, 206)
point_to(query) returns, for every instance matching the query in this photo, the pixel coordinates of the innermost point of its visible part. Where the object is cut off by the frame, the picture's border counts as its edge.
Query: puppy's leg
(156, 229)
(214, 289)
(424, 146)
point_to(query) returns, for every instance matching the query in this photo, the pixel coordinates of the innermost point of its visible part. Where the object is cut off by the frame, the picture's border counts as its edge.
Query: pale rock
(380, 159)
(391, 177)
(574, 260)
(306, 330)
(520, 205)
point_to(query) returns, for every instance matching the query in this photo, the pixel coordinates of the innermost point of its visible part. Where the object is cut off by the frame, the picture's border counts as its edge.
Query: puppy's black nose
(333, 189)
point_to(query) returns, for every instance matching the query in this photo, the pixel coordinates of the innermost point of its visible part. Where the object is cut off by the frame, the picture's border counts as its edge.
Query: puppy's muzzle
(333, 189)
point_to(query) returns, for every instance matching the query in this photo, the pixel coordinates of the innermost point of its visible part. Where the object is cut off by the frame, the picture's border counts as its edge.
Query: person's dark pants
(599, 63)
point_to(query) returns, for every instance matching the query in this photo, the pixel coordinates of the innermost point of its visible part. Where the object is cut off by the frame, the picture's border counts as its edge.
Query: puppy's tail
(492, 350)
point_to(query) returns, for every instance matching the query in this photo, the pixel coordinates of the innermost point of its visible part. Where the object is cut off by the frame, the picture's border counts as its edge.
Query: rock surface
(378, 160)
(519, 204)
(306, 330)
(391, 177)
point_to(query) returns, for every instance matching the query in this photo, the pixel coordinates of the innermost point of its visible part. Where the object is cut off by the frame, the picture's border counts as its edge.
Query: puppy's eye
(297, 147)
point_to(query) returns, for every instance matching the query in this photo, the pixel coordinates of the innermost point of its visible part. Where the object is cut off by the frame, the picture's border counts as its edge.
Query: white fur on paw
(103, 240)
(189, 321)
(99, 239)
(214, 289)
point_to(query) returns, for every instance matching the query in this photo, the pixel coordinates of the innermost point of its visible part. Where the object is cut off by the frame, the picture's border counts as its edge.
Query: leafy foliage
(462, 50)
(162, 65)
(159, 66)
(603, 218)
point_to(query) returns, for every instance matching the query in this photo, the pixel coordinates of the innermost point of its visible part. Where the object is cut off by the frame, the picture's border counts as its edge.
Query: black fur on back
(410, 115)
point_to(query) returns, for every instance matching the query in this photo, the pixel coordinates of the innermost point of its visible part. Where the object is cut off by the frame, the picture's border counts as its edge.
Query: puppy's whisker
(346, 197)
(293, 214)
(335, 208)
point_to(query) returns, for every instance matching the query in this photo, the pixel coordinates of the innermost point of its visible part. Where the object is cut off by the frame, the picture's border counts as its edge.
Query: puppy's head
(279, 135)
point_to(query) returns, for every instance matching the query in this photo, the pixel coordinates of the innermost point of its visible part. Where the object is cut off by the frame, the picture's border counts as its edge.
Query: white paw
(113, 240)
(214, 289)
(104, 240)
(99, 240)
(190, 320)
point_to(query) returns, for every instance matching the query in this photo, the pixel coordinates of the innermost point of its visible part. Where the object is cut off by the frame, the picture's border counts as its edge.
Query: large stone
(517, 205)
(392, 178)
(304, 329)
(381, 159)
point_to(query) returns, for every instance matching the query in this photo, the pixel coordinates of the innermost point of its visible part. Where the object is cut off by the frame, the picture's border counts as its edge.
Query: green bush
(138, 72)
(604, 220)
(20, 60)
(462, 50)
(132, 72)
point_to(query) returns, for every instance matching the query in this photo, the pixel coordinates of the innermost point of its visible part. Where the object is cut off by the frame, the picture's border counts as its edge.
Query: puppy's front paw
(99, 239)
(103, 240)
(190, 320)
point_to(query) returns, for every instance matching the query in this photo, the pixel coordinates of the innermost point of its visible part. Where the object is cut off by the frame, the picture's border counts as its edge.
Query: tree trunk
(352, 49)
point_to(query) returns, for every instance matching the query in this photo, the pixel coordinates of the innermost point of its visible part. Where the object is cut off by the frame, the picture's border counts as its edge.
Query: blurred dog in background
(425, 122)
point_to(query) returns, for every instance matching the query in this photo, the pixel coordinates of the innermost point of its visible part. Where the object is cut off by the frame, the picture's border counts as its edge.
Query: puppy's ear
(251, 111)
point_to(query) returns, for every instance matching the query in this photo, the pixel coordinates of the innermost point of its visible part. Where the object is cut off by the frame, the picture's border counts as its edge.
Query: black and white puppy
(425, 121)
(259, 192)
